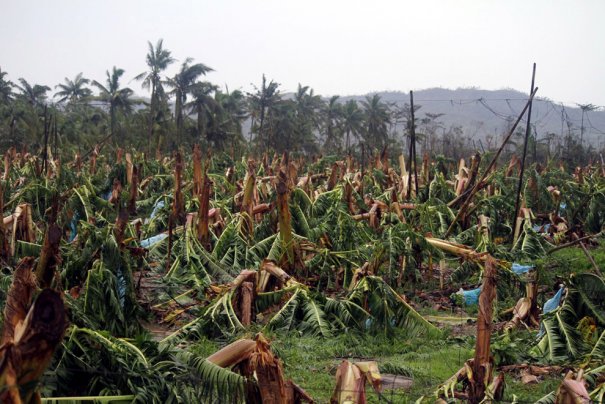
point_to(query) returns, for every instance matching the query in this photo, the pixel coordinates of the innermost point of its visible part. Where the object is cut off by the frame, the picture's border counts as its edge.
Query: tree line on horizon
(185, 109)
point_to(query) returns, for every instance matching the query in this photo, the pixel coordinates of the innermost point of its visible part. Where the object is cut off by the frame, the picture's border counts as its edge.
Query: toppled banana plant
(20, 225)
(351, 381)
(573, 389)
(263, 371)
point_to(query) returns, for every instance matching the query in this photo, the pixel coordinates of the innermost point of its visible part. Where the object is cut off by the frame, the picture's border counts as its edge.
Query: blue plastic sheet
(521, 269)
(148, 242)
(471, 297)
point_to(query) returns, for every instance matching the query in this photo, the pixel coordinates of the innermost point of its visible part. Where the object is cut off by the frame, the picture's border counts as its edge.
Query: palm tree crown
(352, 121)
(117, 98)
(182, 84)
(73, 90)
(34, 95)
(6, 88)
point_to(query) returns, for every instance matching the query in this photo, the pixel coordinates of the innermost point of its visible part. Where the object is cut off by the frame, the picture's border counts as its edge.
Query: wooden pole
(412, 152)
(45, 151)
(413, 128)
(527, 132)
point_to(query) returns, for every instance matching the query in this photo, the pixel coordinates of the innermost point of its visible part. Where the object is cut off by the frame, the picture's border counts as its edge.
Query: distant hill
(489, 112)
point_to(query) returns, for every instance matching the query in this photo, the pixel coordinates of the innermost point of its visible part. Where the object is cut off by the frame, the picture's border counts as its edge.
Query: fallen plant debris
(151, 257)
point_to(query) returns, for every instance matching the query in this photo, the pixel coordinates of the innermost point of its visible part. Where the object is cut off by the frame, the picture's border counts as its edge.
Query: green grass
(312, 362)
(529, 393)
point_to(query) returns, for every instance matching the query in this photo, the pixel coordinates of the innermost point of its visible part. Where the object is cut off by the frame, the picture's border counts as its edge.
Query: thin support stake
(522, 170)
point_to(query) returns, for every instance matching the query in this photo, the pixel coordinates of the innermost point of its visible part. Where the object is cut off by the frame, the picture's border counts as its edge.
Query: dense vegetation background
(186, 108)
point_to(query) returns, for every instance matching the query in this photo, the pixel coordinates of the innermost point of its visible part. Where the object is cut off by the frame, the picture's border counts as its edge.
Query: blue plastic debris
(121, 287)
(471, 297)
(106, 195)
(562, 208)
(541, 228)
(521, 269)
(550, 305)
(73, 227)
(148, 242)
(158, 205)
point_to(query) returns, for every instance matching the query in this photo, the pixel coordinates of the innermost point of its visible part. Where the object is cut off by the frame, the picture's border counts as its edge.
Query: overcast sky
(340, 47)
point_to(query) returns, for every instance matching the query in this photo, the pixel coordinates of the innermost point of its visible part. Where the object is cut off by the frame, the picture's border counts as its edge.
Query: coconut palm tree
(306, 108)
(6, 88)
(158, 59)
(233, 113)
(182, 84)
(332, 114)
(34, 95)
(585, 109)
(377, 116)
(203, 104)
(73, 90)
(118, 99)
(261, 105)
(352, 121)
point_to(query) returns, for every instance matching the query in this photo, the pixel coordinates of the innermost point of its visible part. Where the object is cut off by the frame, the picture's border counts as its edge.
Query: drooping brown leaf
(19, 298)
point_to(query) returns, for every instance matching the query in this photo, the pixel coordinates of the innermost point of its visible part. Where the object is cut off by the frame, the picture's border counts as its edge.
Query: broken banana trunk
(483, 362)
(31, 334)
(254, 360)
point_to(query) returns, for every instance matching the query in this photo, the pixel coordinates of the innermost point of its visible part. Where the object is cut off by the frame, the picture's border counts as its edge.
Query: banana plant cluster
(279, 244)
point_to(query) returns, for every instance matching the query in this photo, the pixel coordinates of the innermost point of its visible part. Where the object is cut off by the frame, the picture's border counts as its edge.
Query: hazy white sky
(335, 46)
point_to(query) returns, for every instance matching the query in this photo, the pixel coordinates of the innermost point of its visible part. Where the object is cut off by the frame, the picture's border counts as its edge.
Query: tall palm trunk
(112, 120)
(348, 141)
(201, 123)
(151, 115)
(178, 112)
(260, 128)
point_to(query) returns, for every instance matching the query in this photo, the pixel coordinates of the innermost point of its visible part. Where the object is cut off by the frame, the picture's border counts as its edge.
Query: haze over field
(336, 47)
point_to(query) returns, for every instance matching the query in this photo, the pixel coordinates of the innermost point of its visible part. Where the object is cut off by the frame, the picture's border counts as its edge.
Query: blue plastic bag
(550, 305)
(73, 227)
(148, 242)
(521, 269)
(471, 297)
(158, 205)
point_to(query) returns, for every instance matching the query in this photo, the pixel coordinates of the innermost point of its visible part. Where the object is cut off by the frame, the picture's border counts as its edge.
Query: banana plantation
(151, 253)
(119, 270)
